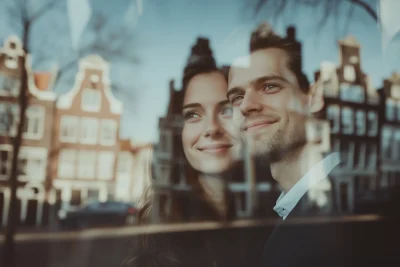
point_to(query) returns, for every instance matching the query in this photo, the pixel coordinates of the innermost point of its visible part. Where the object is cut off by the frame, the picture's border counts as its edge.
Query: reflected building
(32, 163)
(85, 138)
(352, 108)
(133, 175)
(390, 133)
(171, 176)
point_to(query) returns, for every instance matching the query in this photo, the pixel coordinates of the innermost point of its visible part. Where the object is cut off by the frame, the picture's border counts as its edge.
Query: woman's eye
(191, 115)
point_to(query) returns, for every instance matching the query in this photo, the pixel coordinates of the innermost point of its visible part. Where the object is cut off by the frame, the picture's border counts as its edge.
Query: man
(272, 104)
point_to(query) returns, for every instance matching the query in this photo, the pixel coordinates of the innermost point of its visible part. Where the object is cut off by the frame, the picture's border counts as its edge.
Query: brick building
(352, 107)
(35, 148)
(85, 144)
(390, 132)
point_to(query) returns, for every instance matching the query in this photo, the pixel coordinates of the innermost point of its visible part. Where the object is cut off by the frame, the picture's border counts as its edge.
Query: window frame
(69, 121)
(87, 160)
(100, 164)
(73, 162)
(90, 125)
(114, 128)
(40, 116)
(91, 107)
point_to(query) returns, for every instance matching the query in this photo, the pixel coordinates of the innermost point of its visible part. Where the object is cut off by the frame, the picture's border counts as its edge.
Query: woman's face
(210, 140)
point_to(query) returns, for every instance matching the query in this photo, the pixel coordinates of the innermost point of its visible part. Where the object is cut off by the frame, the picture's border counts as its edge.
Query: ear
(316, 97)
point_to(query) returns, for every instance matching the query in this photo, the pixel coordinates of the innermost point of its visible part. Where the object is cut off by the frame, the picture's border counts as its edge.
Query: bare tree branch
(367, 8)
(330, 8)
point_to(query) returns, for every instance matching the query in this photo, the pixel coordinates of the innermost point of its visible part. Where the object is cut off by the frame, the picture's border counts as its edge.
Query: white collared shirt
(286, 202)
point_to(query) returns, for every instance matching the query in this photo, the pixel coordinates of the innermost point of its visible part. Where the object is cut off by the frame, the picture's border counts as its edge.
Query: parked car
(97, 214)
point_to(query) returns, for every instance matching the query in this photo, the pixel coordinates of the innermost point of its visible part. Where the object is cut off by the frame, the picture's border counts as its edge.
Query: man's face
(268, 105)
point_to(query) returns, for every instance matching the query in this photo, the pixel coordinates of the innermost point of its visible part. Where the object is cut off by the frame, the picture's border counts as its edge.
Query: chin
(214, 167)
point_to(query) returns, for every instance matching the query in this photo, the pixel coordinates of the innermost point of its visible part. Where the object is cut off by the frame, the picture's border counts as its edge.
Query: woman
(210, 143)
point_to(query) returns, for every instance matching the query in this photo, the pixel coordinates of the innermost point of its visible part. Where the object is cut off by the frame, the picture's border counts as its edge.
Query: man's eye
(271, 87)
(235, 100)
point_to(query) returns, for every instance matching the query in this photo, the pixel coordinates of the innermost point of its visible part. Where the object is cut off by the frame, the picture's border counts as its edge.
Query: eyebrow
(239, 89)
(191, 105)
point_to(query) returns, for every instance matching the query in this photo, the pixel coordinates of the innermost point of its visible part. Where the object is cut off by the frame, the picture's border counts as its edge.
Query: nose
(250, 103)
(213, 128)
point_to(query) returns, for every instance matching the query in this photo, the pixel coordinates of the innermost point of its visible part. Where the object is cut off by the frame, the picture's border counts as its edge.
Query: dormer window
(11, 62)
(349, 73)
(91, 100)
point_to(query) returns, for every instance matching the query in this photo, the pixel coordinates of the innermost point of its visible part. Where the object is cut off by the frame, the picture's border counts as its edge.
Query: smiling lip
(216, 149)
(257, 125)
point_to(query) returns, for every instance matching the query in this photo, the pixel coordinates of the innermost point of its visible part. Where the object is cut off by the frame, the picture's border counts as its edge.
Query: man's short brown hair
(264, 37)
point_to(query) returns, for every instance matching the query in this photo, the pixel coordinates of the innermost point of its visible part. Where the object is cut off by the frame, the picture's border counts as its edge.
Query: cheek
(232, 129)
(290, 104)
(190, 135)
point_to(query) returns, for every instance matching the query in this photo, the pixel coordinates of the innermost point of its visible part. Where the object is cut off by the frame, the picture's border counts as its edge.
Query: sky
(166, 30)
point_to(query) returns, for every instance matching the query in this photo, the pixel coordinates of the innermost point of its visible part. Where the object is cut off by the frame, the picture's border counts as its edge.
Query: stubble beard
(277, 147)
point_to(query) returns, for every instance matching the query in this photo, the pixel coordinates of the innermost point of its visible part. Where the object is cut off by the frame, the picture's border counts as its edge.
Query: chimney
(42, 80)
(291, 33)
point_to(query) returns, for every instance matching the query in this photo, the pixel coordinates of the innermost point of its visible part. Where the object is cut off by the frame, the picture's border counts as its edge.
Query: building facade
(86, 129)
(390, 133)
(352, 107)
(35, 147)
(133, 176)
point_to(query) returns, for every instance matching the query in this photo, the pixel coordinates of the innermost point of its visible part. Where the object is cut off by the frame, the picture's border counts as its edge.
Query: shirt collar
(286, 202)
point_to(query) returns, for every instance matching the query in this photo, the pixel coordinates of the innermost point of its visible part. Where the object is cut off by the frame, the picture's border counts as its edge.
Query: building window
(34, 124)
(344, 153)
(105, 165)
(67, 163)
(32, 163)
(396, 145)
(166, 141)
(398, 111)
(347, 121)
(69, 126)
(86, 164)
(352, 93)
(91, 100)
(89, 130)
(371, 156)
(8, 119)
(386, 142)
(9, 86)
(360, 122)
(359, 156)
(164, 171)
(5, 159)
(333, 113)
(124, 162)
(108, 132)
(349, 73)
(372, 123)
(390, 109)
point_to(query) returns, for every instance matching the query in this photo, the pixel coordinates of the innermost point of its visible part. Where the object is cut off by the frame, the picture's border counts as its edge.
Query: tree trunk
(12, 220)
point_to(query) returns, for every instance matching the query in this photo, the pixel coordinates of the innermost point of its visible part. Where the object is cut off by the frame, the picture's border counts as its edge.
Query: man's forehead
(260, 63)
